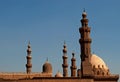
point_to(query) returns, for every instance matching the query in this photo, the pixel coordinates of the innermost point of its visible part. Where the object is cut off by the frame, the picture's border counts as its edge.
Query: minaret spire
(84, 10)
(85, 42)
(73, 66)
(29, 57)
(65, 64)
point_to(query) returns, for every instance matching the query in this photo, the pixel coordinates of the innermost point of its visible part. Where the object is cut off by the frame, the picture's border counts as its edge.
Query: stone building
(93, 68)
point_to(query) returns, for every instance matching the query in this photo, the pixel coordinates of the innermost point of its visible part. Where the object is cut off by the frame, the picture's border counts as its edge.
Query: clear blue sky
(47, 23)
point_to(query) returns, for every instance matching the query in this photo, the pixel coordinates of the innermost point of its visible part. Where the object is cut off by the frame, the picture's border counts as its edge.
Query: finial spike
(29, 42)
(84, 10)
(73, 54)
(64, 45)
(47, 59)
(64, 42)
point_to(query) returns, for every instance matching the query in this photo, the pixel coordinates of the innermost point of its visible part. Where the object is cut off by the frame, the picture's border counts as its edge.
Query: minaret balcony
(29, 57)
(73, 67)
(28, 65)
(84, 29)
(64, 57)
(87, 40)
(64, 65)
(73, 59)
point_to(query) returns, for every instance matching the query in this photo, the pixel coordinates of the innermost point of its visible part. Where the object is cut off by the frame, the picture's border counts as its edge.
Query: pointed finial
(64, 42)
(64, 48)
(29, 50)
(47, 59)
(84, 10)
(73, 54)
(29, 44)
(84, 14)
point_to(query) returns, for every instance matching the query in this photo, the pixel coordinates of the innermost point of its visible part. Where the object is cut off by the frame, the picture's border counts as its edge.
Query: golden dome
(97, 62)
(58, 74)
(47, 67)
(98, 66)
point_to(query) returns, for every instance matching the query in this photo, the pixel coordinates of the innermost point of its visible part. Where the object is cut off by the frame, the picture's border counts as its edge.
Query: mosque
(92, 69)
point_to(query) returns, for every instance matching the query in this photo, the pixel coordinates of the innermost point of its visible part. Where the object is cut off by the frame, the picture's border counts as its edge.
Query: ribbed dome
(97, 62)
(58, 74)
(47, 67)
(98, 66)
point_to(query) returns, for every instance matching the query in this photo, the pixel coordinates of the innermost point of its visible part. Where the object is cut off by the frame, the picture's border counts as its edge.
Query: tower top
(64, 44)
(29, 44)
(64, 48)
(73, 54)
(84, 14)
(84, 19)
(29, 47)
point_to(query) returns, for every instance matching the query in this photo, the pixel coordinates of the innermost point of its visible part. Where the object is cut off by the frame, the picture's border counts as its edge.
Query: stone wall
(69, 79)
(61, 79)
(16, 76)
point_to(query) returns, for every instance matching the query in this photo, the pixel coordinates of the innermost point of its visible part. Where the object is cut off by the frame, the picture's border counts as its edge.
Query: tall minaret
(65, 64)
(28, 57)
(73, 66)
(85, 42)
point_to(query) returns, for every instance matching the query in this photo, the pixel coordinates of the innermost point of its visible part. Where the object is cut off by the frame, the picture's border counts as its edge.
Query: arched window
(103, 73)
(98, 72)
(93, 66)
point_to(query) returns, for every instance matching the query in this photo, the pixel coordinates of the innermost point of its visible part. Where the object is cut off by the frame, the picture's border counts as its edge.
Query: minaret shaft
(65, 64)
(29, 57)
(85, 42)
(73, 66)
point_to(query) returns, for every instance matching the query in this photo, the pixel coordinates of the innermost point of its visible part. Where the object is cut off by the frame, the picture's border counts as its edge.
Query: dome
(98, 66)
(97, 62)
(58, 74)
(47, 67)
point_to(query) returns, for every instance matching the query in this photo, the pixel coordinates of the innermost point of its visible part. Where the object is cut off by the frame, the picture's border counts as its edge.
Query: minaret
(85, 42)
(28, 57)
(73, 66)
(65, 64)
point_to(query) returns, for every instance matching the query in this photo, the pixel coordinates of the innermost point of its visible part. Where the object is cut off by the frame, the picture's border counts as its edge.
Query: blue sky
(48, 23)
